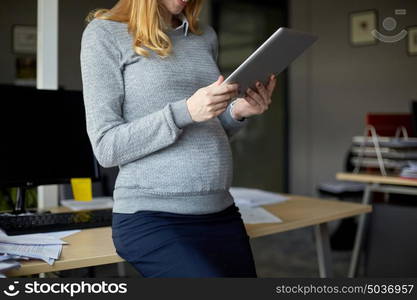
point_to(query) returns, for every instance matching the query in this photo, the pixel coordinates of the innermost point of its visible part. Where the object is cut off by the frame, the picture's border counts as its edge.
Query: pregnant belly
(199, 161)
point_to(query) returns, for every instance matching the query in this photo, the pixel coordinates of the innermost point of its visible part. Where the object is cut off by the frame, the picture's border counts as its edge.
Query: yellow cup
(82, 189)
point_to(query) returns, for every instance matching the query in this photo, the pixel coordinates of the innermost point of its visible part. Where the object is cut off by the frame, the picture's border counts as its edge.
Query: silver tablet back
(272, 57)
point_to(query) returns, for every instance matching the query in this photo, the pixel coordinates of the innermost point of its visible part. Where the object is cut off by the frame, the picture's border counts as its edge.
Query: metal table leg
(359, 235)
(321, 233)
(121, 269)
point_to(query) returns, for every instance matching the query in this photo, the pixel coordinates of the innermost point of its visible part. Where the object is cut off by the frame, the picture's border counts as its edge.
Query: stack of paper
(389, 142)
(44, 246)
(410, 171)
(249, 202)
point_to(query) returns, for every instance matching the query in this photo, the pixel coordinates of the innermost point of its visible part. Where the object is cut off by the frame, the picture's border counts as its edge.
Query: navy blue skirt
(161, 244)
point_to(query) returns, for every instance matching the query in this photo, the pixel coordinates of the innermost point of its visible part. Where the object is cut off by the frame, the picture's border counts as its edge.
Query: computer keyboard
(47, 222)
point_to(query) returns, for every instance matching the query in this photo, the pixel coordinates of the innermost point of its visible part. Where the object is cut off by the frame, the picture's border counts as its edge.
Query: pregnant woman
(157, 107)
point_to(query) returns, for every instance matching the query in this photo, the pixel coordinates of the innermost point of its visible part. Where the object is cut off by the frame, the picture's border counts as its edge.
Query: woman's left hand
(254, 102)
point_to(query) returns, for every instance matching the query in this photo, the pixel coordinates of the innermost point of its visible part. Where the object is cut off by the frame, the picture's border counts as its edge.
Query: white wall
(334, 85)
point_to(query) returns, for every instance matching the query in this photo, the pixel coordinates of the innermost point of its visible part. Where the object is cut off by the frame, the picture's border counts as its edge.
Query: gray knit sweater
(137, 119)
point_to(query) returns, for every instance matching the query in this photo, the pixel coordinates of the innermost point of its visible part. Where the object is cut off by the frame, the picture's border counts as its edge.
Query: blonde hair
(146, 24)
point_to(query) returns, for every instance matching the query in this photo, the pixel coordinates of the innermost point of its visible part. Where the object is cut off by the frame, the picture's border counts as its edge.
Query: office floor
(293, 254)
(289, 254)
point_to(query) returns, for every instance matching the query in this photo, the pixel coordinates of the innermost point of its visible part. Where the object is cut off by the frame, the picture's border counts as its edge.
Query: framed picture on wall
(361, 25)
(24, 39)
(412, 41)
(26, 70)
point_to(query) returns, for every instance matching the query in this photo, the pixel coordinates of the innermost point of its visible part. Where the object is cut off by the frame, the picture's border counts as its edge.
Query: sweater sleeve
(114, 140)
(230, 125)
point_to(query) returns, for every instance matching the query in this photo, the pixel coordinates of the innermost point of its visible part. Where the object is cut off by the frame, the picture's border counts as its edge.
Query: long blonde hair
(146, 24)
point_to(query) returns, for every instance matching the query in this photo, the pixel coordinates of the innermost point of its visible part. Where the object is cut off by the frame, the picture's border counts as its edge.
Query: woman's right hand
(210, 101)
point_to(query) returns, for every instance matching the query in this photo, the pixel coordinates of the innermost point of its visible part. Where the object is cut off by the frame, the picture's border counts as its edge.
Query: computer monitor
(43, 137)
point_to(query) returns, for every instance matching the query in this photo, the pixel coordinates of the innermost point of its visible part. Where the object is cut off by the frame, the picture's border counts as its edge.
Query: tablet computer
(272, 57)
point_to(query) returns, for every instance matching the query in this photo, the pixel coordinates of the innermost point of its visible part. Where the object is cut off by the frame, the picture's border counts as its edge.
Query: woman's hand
(210, 101)
(254, 103)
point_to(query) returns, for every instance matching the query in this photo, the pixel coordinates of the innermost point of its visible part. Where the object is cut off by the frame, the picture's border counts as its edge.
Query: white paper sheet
(54, 234)
(410, 171)
(31, 240)
(48, 260)
(38, 251)
(10, 256)
(47, 238)
(255, 197)
(256, 215)
(96, 203)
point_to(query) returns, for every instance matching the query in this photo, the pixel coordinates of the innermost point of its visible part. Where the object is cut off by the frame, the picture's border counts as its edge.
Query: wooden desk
(299, 212)
(377, 179)
(92, 247)
(374, 183)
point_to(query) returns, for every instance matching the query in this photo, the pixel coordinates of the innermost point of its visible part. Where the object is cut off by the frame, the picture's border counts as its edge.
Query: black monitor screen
(43, 137)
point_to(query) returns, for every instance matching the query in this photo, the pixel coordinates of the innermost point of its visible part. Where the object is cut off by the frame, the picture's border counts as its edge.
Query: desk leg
(359, 235)
(121, 269)
(321, 233)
